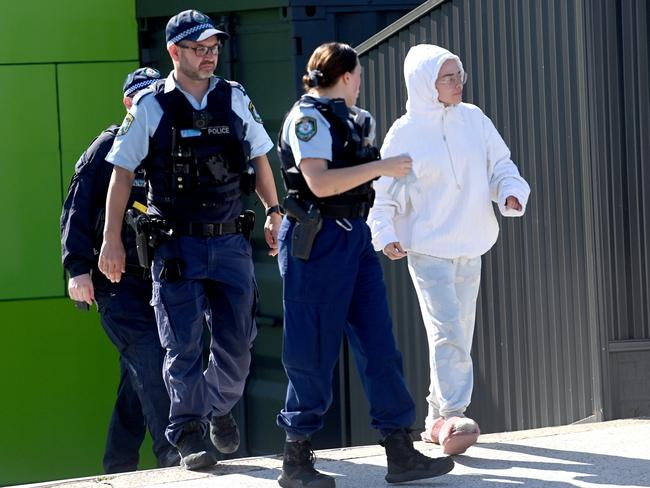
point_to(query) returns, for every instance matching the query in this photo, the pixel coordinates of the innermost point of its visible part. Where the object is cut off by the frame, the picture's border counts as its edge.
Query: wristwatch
(273, 209)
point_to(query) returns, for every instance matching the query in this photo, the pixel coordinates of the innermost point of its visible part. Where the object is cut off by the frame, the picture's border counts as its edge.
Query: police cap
(139, 79)
(193, 26)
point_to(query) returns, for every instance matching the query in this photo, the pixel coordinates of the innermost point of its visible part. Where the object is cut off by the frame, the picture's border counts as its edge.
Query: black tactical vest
(347, 150)
(196, 158)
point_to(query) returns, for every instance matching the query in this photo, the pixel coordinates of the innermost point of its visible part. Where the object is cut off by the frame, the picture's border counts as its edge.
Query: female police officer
(333, 283)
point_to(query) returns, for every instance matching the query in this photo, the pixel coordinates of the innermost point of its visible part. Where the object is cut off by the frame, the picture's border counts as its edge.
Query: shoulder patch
(306, 128)
(126, 125)
(253, 111)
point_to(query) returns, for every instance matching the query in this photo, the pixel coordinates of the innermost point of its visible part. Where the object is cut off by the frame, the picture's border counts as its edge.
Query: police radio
(181, 158)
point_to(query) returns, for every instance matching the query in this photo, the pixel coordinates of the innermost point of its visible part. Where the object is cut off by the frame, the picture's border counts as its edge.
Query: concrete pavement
(598, 455)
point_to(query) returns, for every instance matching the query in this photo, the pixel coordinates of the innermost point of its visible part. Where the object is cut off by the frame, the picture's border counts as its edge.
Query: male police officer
(195, 134)
(126, 315)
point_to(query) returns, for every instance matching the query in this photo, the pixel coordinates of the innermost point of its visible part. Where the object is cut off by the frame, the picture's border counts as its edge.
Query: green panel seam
(56, 63)
(32, 299)
(58, 128)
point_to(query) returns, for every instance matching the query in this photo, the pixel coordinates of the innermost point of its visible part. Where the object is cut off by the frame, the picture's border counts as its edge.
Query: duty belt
(344, 211)
(137, 271)
(207, 229)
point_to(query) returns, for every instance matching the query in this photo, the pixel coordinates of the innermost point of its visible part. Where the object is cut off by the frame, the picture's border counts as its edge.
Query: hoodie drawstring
(444, 138)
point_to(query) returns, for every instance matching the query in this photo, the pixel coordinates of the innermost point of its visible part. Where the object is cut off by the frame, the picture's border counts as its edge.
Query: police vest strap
(207, 229)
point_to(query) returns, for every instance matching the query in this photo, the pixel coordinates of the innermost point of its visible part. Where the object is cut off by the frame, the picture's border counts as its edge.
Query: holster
(308, 223)
(172, 264)
(137, 221)
(149, 233)
(246, 223)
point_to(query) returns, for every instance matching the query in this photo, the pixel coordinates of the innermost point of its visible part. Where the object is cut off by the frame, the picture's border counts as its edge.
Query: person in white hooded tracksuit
(441, 218)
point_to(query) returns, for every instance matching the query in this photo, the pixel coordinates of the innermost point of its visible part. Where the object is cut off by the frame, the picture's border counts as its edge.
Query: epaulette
(153, 88)
(234, 84)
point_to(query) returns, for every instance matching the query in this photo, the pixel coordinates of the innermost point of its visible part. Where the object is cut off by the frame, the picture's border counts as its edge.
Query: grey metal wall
(619, 105)
(536, 348)
(622, 153)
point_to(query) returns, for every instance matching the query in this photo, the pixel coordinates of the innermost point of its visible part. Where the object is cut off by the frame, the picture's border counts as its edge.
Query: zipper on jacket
(444, 138)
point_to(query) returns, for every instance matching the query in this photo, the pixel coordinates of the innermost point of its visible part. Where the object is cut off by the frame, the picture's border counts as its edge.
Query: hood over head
(421, 68)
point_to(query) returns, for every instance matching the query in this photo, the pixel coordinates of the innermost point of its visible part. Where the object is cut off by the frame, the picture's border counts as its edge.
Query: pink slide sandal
(431, 435)
(457, 434)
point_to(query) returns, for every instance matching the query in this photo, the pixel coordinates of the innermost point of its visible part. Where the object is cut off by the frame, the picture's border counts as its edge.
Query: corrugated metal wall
(536, 342)
(622, 151)
(619, 59)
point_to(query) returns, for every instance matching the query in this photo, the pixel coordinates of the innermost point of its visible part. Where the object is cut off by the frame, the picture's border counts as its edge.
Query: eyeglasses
(453, 80)
(202, 51)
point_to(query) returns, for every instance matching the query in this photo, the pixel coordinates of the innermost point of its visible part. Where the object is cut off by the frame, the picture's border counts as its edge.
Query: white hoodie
(460, 165)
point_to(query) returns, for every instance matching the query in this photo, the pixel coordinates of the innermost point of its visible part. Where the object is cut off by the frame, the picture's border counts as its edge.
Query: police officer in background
(195, 134)
(333, 283)
(128, 318)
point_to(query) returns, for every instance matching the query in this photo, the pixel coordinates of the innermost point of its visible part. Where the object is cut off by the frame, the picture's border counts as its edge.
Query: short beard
(197, 74)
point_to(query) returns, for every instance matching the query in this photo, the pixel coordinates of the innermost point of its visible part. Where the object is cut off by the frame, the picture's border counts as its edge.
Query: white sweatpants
(447, 290)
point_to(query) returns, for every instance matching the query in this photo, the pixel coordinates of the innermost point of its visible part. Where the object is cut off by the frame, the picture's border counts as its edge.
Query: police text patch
(256, 116)
(126, 125)
(306, 128)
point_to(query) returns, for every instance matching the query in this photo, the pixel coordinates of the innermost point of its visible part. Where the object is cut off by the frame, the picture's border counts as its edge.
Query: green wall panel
(273, 96)
(30, 187)
(60, 374)
(85, 109)
(266, 28)
(67, 30)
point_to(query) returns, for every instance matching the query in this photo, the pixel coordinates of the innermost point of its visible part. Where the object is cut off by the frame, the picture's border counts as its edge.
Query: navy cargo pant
(218, 288)
(142, 401)
(338, 291)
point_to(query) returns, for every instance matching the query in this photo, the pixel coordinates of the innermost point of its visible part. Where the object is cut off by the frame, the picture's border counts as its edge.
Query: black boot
(168, 457)
(195, 450)
(224, 433)
(298, 468)
(405, 463)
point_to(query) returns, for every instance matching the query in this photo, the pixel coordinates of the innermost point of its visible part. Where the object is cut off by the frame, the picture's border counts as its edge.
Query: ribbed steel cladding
(533, 362)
